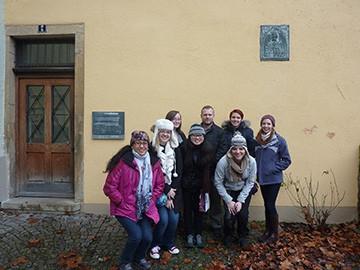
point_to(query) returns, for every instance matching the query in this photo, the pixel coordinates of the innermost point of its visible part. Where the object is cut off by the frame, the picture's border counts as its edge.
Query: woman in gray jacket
(235, 176)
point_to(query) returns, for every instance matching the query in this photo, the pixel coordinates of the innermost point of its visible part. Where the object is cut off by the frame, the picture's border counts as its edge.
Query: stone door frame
(32, 31)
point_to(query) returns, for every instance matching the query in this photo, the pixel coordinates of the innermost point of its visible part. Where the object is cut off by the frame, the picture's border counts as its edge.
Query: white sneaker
(174, 250)
(155, 253)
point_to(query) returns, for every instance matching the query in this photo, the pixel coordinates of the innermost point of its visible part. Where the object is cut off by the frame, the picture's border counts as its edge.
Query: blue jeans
(165, 230)
(139, 239)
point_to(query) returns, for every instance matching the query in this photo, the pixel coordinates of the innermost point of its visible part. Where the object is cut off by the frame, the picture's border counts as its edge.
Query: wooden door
(45, 137)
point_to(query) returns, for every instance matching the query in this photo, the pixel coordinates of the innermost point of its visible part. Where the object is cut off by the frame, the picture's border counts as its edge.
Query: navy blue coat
(229, 130)
(271, 159)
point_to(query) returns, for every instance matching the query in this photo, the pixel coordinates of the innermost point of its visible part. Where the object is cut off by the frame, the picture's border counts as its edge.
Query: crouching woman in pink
(134, 183)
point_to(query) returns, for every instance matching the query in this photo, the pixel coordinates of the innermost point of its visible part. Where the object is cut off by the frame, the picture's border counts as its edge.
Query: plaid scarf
(259, 137)
(144, 189)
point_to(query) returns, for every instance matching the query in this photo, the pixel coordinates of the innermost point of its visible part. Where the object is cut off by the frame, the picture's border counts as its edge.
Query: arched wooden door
(45, 158)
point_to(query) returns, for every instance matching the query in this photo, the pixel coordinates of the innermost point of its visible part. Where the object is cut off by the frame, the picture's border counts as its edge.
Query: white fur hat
(167, 125)
(164, 124)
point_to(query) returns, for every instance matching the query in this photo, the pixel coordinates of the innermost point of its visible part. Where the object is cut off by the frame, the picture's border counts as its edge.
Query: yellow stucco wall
(148, 57)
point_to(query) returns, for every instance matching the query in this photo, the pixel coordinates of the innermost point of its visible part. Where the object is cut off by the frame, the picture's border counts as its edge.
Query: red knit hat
(270, 117)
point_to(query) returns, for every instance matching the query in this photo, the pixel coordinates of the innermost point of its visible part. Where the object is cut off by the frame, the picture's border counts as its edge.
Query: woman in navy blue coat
(236, 123)
(272, 157)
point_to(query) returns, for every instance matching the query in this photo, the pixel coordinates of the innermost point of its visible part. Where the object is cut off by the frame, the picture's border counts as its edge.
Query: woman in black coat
(198, 158)
(234, 124)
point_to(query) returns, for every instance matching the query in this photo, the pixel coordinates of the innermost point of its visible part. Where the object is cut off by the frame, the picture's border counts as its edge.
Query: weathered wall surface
(148, 57)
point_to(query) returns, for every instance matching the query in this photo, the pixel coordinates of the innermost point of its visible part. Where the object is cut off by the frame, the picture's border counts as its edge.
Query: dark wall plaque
(274, 42)
(108, 125)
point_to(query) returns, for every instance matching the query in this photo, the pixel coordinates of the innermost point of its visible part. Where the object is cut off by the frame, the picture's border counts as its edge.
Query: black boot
(266, 233)
(243, 241)
(274, 229)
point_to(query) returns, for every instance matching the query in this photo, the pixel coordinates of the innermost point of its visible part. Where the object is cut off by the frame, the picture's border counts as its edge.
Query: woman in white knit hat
(165, 145)
(235, 176)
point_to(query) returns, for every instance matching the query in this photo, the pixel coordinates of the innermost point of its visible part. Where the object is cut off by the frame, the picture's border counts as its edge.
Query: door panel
(45, 137)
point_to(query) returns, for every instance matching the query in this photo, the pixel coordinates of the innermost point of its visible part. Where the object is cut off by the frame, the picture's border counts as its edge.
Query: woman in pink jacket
(134, 183)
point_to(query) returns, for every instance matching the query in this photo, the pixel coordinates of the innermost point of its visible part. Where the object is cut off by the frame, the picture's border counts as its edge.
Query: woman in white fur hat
(165, 144)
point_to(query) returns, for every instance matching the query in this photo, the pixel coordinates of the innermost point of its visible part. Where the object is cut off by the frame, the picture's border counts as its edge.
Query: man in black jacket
(213, 136)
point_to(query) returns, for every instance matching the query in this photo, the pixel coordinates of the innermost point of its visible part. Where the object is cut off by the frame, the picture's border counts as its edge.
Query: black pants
(193, 218)
(216, 211)
(269, 194)
(241, 218)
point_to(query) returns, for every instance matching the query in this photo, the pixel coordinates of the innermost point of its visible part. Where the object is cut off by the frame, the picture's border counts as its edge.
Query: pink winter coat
(121, 186)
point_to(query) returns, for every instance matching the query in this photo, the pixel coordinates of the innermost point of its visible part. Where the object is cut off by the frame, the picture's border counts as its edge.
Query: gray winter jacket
(222, 174)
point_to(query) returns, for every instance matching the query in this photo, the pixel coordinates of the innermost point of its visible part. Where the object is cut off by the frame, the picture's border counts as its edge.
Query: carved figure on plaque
(274, 42)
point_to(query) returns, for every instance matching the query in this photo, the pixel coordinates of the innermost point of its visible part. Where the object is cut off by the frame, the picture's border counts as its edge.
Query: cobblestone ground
(54, 241)
(84, 242)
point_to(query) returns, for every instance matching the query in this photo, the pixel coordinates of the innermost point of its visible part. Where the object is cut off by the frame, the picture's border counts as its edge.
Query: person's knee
(228, 221)
(163, 222)
(173, 218)
(136, 237)
(147, 237)
(244, 214)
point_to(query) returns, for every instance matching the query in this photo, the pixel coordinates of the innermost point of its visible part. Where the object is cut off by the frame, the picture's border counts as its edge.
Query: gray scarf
(235, 170)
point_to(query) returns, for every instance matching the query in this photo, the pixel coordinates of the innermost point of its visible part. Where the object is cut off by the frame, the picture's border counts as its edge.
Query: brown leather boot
(274, 229)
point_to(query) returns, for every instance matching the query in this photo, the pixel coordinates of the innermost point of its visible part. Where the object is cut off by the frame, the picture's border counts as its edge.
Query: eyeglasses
(141, 143)
(196, 135)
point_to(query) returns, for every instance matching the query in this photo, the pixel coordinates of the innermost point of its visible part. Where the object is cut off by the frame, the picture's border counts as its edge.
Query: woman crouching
(235, 176)
(134, 183)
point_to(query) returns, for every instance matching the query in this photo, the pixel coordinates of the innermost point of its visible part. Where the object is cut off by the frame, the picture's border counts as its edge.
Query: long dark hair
(116, 158)
(171, 115)
(206, 153)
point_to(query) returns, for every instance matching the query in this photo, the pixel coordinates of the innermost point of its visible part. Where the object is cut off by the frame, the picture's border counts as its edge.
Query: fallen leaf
(106, 258)
(70, 260)
(187, 260)
(209, 250)
(60, 231)
(32, 220)
(19, 261)
(165, 258)
(285, 265)
(34, 243)
(327, 252)
(212, 241)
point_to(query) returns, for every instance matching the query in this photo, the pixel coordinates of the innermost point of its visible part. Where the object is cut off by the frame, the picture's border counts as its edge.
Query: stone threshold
(33, 204)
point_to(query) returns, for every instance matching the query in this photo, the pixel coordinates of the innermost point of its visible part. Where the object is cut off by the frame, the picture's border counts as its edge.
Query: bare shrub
(315, 207)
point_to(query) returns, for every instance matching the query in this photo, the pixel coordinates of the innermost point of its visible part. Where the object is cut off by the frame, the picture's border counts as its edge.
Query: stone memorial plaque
(108, 125)
(274, 42)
